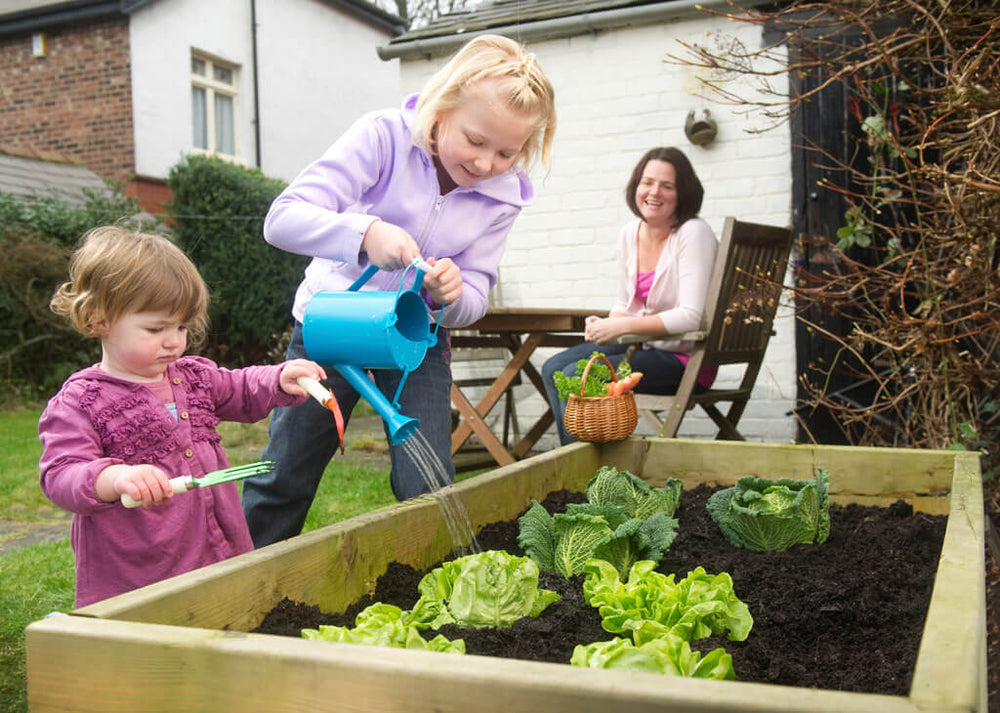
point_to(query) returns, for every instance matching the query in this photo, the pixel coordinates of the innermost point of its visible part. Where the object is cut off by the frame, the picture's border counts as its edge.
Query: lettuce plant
(650, 605)
(659, 619)
(488, 589)
(772, 515)
(384, 625)
(668, 655)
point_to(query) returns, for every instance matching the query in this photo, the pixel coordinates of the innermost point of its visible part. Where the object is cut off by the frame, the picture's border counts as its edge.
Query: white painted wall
(317, 72)
(161, 37)
(616, 98)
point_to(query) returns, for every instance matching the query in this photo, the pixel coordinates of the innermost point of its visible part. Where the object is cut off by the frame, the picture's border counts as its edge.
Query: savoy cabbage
(624, 520)
(772, 515)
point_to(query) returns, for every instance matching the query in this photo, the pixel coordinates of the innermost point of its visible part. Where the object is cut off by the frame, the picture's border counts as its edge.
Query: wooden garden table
(519, 330)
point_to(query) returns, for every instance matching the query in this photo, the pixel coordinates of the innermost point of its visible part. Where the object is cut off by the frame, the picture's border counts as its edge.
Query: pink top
(643, 282)
(97, 420)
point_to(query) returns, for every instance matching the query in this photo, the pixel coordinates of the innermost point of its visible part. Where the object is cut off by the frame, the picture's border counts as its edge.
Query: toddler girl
(145, 414)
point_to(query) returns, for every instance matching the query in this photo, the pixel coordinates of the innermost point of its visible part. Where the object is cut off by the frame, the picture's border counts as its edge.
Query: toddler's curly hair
(116, 271)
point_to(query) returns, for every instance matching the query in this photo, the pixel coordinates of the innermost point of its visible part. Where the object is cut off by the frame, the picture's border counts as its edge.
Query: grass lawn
(39, 579)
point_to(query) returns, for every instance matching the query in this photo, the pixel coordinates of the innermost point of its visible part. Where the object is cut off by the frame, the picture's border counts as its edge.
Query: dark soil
(847, 615)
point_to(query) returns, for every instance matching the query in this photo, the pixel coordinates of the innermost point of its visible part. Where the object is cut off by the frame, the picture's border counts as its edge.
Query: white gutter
(568, 26)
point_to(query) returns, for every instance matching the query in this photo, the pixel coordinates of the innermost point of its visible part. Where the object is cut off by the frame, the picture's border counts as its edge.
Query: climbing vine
(915, 265)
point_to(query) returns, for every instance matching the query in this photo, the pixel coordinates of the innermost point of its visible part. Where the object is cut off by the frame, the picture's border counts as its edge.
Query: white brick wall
(617, 98)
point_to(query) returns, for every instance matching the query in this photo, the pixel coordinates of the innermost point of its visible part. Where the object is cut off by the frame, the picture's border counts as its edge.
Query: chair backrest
(744, 291)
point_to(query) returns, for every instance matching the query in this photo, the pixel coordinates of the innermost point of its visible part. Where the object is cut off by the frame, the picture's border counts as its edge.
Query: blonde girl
(145, 414)
(442, 178)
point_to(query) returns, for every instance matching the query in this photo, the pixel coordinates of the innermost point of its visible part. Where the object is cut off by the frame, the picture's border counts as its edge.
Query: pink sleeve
(695, 260)
(249, 394)
(626, 252)
(72, 457)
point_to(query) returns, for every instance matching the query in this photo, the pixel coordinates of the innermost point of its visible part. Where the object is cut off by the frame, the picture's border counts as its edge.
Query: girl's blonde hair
(520, 81)
(115, 272)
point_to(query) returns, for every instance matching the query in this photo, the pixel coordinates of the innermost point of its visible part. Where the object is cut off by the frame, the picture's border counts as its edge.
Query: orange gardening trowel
(325, 397)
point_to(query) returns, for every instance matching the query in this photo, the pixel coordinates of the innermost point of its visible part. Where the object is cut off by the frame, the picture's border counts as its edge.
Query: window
(213, 105)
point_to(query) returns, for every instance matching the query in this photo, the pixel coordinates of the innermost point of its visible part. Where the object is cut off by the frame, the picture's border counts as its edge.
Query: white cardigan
(680, 284)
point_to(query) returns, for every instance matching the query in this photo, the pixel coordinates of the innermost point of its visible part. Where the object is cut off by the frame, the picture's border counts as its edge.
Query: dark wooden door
(826, 139)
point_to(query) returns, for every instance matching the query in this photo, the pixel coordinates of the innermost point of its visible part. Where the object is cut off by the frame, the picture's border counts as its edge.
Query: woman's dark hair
(689, 189)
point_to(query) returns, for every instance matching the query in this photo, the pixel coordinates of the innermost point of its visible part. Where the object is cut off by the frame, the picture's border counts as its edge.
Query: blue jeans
(661, 374)
(303, 439)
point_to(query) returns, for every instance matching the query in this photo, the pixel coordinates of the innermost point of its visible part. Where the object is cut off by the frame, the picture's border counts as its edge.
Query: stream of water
(432, 470)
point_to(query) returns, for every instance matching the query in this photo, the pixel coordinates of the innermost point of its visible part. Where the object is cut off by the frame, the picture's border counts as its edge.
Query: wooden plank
(854, 470)
(657, 459)
(159, 668)
(522, 319)
(956, 617)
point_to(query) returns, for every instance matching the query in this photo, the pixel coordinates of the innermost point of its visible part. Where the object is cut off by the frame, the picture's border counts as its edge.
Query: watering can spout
(400, 427)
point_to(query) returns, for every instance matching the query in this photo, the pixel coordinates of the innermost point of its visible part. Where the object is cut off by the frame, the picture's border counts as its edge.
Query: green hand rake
(184, 483)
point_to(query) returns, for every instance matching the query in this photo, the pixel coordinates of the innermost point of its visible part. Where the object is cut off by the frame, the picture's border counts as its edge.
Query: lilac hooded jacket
(374, 171)
(99, 420)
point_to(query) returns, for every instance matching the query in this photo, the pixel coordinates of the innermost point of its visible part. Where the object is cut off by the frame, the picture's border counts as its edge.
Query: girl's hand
(292, 370)
(388, 246)
(444, 282)
(146, 484)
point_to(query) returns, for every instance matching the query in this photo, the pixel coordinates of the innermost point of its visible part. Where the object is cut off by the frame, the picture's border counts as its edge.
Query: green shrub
(36, 236)
(218, 209)
(61, 222)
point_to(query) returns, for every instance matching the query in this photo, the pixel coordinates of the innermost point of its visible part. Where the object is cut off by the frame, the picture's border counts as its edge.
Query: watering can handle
(363, 278)
(421, 266)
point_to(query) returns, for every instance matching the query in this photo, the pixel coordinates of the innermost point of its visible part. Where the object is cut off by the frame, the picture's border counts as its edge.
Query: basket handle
(586, 372)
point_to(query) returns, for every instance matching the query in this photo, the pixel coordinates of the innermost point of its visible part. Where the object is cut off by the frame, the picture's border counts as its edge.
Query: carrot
(613, 388)
(628, 383)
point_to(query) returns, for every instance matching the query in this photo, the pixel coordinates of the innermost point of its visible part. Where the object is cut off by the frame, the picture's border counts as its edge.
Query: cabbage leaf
(624, 520)
(772, 515)
(564, 542)
(635, 496)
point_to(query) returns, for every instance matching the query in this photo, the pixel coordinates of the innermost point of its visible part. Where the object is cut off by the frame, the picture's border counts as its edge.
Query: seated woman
(666, 257)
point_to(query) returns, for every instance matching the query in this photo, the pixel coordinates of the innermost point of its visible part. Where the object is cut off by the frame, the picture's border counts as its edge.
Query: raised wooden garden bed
(181, 644)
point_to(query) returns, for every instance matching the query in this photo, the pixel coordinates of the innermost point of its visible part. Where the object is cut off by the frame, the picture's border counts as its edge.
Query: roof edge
(376, 15)
(560, 27)
(61, 13)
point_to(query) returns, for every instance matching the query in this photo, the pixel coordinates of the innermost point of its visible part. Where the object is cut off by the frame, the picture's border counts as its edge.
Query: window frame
(212, 87)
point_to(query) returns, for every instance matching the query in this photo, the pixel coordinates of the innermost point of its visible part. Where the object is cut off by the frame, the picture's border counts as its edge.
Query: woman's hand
(444, 282)
(293, 369)
(602, 330)
(388, 246)
(146, 484)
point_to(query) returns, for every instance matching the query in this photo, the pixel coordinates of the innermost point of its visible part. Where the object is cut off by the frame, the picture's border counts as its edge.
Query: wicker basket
(600, 418)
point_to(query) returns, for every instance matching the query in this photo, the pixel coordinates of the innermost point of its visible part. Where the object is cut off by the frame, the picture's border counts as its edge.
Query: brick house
(615, 99)
(128, 87)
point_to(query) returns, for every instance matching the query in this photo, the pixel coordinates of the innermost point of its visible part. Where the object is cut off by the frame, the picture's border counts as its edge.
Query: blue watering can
(354, 331)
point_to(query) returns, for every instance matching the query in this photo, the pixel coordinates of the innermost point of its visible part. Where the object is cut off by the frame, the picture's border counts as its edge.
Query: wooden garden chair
(736, 326)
